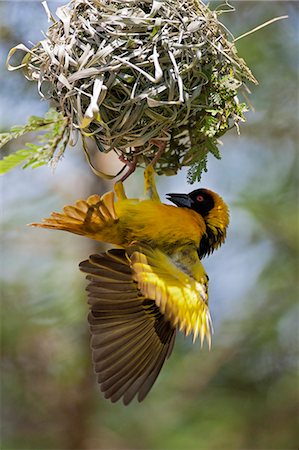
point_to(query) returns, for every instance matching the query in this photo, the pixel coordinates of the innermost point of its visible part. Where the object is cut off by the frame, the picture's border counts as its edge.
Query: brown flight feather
(130, 337)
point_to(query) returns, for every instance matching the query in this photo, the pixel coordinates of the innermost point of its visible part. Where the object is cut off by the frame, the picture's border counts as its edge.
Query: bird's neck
(216, 226)
(211, 240)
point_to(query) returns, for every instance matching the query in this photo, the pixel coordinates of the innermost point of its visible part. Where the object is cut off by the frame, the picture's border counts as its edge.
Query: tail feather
(87, 217)
(74, 212)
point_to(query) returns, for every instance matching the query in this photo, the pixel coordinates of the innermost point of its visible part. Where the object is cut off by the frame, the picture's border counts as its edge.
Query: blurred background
(243, 394)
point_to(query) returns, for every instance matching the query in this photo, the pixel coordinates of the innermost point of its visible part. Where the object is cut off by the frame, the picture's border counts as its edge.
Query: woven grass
(134, 75)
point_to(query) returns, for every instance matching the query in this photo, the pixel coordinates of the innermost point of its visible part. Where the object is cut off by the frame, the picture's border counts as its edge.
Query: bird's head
(213, 210)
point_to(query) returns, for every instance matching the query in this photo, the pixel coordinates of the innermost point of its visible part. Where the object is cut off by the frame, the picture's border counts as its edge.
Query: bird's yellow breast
(158, 224)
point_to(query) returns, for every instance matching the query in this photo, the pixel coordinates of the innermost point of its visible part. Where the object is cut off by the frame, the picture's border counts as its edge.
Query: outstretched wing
(181, 297)
(95, 218)
(130, 337)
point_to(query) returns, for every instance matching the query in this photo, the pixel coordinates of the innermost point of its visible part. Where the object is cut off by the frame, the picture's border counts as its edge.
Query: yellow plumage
(183, 299)
(155, 284)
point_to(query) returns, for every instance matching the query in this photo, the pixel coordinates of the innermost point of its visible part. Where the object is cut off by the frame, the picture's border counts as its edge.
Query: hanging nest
(139, 77)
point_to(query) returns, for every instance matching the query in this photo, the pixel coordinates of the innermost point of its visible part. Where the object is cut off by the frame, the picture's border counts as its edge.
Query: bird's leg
(161, 144)
(150, 190)
(119, 190)
(118, 186)
(131, 167)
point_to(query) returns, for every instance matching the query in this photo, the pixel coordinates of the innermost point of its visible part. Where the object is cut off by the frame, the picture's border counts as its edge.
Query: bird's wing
(182, 298)
(95, 218)
(130, 337)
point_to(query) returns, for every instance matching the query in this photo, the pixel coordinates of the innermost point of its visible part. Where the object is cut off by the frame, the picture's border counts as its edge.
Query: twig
(260, 27)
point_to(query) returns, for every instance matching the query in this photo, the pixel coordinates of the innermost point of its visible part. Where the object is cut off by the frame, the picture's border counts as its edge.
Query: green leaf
(11, 161)
(48, 146)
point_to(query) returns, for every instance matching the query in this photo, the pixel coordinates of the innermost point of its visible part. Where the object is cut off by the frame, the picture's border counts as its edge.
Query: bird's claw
(131, 165)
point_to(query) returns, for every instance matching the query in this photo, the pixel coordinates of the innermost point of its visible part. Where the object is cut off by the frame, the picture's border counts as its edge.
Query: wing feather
(130, 338)
(141, 374)
(182, 297)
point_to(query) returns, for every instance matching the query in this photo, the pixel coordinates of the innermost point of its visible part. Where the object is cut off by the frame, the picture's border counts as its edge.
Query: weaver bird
(152, 285)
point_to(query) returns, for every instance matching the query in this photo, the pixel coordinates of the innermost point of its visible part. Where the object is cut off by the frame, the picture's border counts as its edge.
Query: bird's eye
(200, 198)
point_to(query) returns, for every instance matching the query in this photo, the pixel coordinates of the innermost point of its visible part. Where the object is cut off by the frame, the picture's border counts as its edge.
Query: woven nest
(139, 76)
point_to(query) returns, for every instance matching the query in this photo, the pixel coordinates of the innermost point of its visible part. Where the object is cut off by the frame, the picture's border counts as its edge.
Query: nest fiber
(139, 75)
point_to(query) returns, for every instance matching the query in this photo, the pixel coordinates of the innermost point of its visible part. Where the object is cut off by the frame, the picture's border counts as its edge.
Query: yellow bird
(154, 284)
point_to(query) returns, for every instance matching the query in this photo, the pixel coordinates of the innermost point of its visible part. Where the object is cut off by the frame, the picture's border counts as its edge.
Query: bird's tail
(96, 217)
(93, 218)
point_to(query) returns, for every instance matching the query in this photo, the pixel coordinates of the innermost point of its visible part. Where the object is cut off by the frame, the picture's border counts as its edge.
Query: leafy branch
(49, 147)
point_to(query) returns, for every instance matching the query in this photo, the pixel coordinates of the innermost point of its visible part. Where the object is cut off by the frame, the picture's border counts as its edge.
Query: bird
(151, 284)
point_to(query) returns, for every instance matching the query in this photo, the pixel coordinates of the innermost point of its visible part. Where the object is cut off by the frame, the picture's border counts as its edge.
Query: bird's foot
(131, 165)
(161, 144)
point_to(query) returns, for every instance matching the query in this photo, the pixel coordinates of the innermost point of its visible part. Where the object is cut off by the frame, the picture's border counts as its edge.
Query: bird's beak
(182, 200)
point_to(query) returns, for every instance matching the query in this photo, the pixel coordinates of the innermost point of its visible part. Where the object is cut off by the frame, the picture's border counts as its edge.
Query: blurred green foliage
(243, 394)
